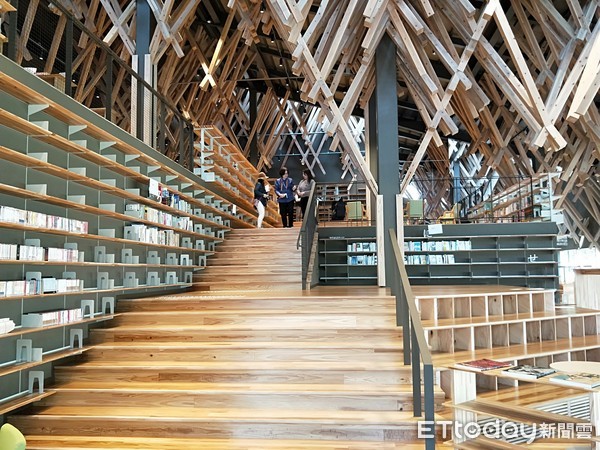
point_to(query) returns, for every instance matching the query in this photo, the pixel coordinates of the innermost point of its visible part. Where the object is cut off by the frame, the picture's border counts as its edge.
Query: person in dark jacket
(260, 198)
(284, 188)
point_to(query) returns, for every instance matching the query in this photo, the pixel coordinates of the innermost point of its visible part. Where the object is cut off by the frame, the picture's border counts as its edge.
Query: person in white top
(261, 196)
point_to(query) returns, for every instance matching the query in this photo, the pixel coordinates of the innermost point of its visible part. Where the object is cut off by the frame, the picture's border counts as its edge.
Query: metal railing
(416, 351)
(307, 234)
(84, 67)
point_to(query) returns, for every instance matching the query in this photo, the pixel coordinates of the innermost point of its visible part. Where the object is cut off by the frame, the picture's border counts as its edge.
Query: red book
(480, 365)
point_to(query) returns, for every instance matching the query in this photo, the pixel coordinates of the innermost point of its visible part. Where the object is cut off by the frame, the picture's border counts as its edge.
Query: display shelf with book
(221, 162)
(522, 254)
(527, 372)
(346, 257)
(329, 193)
(84, 202)
(577, 380)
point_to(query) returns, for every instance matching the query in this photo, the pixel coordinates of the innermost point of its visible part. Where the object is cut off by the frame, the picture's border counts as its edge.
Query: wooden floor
(238, 365)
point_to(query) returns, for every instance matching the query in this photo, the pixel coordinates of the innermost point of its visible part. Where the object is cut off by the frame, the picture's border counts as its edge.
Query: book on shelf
(528, 372)
(481, 365)
(580, 379)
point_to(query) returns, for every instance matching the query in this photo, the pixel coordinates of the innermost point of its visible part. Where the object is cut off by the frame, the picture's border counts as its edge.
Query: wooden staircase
(251, 368)
(254, 259)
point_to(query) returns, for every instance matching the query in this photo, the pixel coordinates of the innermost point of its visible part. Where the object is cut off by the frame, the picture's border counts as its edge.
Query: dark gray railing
(307, 233)
(415, 349)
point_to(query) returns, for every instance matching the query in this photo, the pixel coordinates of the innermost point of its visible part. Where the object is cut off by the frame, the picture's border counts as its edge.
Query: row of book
(6, 325)
(436, 246)
(429, 259)
(48, 318)
(33, 253)
(49, 285)
(362, 247)
(528, 372)
(150, 235)
(362, 260)
(41, 220)
(138, 211)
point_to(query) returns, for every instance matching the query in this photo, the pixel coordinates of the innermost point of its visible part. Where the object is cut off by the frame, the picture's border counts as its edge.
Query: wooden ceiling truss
(522, 82)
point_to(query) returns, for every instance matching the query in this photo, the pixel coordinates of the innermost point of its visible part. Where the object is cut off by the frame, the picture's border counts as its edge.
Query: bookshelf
(85, 205)
(328, 193)
(222, 163)
(520, 254)
(348, 256)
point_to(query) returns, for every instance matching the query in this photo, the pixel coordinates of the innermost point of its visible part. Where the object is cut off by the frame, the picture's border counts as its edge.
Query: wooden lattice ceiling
(516, 79)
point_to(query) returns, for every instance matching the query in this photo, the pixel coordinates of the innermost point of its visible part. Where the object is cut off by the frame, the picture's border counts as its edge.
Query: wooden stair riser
(348, 401)
(258, 321)
(266, 285)
(235, 263)
(287, 259)
(203, 335)
(57, 442)
(333, 306)
(182, 427)
(247, 278)
(263, 269)
(307, 376)
(264, 244)
(271, 354)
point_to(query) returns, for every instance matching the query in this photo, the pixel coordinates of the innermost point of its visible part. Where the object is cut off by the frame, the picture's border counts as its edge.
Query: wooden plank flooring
(238, 365)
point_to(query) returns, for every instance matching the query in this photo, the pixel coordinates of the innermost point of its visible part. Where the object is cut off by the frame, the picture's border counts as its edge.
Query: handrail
(414, 339)
(307, 233)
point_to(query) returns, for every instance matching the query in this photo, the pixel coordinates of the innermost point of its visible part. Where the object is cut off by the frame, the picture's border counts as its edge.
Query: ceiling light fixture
(262, 7)
(280, 62)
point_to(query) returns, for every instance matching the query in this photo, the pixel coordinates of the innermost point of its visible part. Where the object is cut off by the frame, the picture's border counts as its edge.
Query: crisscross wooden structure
(515, 82)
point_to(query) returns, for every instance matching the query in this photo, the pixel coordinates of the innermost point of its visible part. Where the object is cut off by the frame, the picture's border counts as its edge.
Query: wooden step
(264, 285)
(195, 333)
(305, 372)
(221, 395)
(223, 303)
(256, 320)
(196, 353)
(250, 279)
(231, 259)
(219, 423)
(287, 258)
(262, 269)
(281, 247)
(57, 442)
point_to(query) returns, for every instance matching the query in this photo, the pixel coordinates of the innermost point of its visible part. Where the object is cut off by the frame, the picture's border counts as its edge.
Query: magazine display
(528, 372)
(480, 365)
(581, 380)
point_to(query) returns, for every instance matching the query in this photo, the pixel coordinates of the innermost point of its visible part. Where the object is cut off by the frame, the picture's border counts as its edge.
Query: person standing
(260, 198)
(284, 188)
(304, 188)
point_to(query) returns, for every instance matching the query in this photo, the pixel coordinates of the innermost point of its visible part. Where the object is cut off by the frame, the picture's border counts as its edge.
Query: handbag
(297, 198)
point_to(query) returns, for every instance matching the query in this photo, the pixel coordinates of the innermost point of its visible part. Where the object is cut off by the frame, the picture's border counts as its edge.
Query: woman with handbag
(260, 197)
(304, 188)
